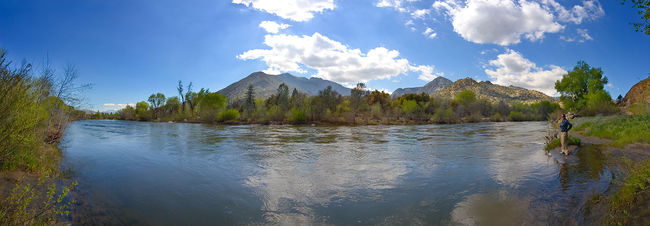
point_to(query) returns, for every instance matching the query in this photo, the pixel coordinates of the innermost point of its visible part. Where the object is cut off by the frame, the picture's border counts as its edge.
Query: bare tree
(67, 93)
(180, 94)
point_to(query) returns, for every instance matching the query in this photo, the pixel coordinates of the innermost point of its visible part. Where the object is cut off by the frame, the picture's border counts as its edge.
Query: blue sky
(131, 49)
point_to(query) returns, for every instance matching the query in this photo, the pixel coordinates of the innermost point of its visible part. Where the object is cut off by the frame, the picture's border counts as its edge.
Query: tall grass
(621, 130)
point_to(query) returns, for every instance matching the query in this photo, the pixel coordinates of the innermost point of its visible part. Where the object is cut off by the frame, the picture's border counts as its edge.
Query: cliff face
(639, 93)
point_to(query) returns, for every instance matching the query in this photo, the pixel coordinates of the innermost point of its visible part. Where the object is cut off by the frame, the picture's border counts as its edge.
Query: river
(197, 174)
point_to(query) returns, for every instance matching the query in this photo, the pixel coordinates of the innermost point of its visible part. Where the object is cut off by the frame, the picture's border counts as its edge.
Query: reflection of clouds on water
(493, 209)
(518, 157)
(292, 186)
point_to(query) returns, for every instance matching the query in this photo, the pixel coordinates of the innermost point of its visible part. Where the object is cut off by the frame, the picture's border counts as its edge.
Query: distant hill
(639, 93)
(266, 85)
(493, 92)
(431, 88)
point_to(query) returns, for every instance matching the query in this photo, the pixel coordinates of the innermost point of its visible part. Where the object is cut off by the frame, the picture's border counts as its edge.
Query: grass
(628, 200)
(621, 130)
(556, 143)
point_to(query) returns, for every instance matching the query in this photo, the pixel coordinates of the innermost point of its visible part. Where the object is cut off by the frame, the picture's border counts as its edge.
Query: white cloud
(273, 27)
(583, 33)
(429, 33)
(296, 10)
(331, 59)
(501, 22)
(109, 104)
(511, 68)
(115, 107)
(397, 4)
(420, 13)
(408, 23)
(589, 10)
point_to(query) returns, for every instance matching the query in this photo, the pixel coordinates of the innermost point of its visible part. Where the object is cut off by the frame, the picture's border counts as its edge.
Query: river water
(195, 174)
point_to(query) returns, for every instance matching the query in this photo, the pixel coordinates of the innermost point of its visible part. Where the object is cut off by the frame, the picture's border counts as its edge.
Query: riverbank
(625, 140)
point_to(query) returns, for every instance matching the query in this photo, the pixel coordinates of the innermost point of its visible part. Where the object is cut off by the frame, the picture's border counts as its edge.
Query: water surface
(179, 173)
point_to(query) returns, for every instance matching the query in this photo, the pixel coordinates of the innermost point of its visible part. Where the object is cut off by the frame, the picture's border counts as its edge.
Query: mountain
(493, 92)
(265, 85)
(639, 93)
(431, 88)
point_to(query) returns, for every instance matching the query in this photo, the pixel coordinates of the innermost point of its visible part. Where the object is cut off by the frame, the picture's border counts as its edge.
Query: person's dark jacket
(565, 126)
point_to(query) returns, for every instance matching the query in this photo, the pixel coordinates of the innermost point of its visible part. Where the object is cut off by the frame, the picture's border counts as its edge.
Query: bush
(228, 115)
(557, 142)
(297, 116)
(622, 130)
(517, 116)
(599, 103)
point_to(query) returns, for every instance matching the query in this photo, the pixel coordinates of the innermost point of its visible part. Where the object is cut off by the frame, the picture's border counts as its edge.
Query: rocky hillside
(493, 92)
(265, 85)
(431, 88)
(639, 93)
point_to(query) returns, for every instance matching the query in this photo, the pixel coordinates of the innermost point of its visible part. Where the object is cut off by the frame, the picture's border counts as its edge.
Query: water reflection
(175, 173)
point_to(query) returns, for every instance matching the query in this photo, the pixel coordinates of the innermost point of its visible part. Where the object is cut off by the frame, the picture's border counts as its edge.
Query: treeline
(34, 111)
(360, 107)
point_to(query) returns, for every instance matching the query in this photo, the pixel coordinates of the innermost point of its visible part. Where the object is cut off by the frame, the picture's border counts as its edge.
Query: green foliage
(465, 97)
(127, 113)
(228, 115)
(142, 112)
(43, 203)
(599, 102)
(517, 116)
(209, 104)
(578, 83)
(621, 130)
(156, 101)
(643, 7)
(555, 143)
(639, 108)
(18, 115)
(297, 116)
(630, 195)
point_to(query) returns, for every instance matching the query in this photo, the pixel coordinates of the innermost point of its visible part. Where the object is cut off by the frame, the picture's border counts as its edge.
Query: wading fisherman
(565, 126)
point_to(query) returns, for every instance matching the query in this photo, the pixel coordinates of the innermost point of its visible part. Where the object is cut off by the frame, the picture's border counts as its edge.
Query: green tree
(465, 97)
(156, 101)
(172, 106)
(142, 111)
(190, 98)
(127, 113)
(283, 97)
(249, 106)
(210, 104)
(577, 83)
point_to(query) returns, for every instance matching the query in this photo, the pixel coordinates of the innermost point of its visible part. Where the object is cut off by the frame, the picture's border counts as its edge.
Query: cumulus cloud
(296, 10)
(511, 68)
(272, 26)
(332, 60)
(429, 33)
(501, 22)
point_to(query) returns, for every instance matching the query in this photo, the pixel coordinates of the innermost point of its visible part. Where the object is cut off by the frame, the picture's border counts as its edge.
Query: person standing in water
(565, 126)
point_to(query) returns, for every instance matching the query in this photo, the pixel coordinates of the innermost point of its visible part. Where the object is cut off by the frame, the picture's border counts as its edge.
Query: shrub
(517, 116)
(297, 116)
(228, 115)
(556, 142)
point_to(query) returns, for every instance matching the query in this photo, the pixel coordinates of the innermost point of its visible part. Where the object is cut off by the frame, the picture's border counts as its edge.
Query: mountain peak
(265, 85)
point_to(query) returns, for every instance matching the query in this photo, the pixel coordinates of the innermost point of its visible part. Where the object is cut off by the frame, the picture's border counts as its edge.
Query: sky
(129, 49)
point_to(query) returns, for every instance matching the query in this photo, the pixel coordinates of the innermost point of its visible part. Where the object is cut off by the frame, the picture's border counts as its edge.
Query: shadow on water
(175, 173)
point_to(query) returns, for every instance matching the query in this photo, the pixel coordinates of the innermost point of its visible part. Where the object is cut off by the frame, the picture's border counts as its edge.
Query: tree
(156, 101)
(619, 99)
(181, 95)
(142, 112)
(643, 7)
(172, 105)
(127, 113)
(356, 96)
(465, 97)
(249, 106)
(190, 97)
(69, 94)
(577, 83)
(382, 98)
(283, 97)
(210, 104)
